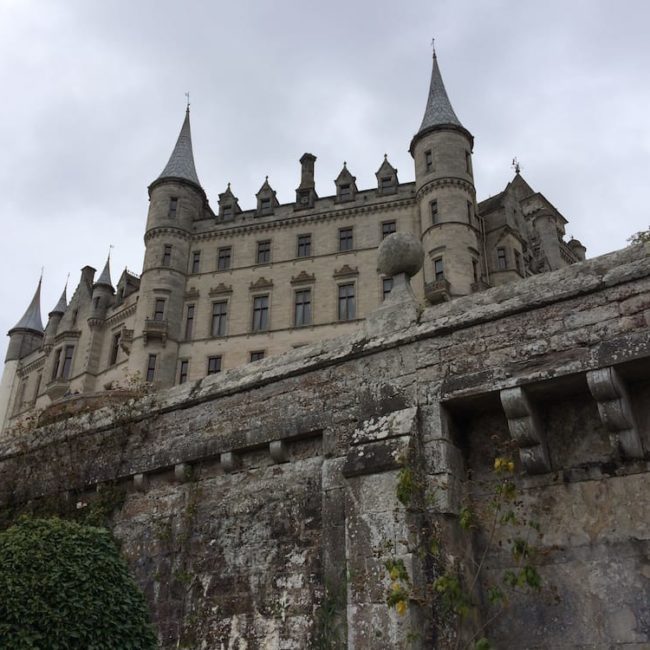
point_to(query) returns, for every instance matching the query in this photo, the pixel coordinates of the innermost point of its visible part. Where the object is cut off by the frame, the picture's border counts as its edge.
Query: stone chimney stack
(306, 192)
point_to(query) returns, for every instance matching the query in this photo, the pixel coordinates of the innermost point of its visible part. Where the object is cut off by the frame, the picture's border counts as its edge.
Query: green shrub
(64, 586)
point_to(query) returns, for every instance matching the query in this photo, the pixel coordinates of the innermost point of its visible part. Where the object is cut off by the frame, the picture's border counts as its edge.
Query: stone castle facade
(221, 288)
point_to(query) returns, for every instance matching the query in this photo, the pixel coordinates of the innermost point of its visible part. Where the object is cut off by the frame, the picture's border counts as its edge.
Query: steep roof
(105, 277)
(31, 319)
(62, 305)
(181, 162)
(438, 110)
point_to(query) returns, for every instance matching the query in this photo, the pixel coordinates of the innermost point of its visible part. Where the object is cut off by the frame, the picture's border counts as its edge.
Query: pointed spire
(62, 305)
(105, 277)
(438, 110)
(31, 319)
(181, 162)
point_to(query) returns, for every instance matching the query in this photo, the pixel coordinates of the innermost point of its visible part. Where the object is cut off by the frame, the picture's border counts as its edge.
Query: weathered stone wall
(263, 503)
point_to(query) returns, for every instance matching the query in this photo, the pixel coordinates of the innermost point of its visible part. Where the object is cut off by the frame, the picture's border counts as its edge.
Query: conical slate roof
(105, 277)
(62, 305)
(181, 162)
(31, 319)
(438, 110)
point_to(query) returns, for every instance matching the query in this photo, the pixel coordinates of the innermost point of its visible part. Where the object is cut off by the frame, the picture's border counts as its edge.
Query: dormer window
(265, 206)
(173, 207)
(227, 212)
(345, 192)
(386, 182)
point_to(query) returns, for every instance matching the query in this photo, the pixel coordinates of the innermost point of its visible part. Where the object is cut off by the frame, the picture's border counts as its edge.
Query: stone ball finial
(400, 252)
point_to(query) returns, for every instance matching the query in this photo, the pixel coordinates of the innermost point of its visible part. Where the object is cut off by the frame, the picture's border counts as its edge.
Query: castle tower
(450, 234)
(176, 200)
(25, 337)
(54, 318)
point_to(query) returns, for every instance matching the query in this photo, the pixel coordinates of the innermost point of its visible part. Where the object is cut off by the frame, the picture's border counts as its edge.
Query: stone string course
(262, 502)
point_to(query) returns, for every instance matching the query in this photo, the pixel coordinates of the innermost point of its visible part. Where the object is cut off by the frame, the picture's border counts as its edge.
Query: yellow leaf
(400, 607)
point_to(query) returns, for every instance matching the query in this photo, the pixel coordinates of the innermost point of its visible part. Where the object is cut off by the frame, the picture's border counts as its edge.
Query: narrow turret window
(115, 348)
(386, 287)
(67, 361)
(223, 258)
(182, 371)
(173, 207)
(57, 361)
(214, 365)
(438, 269)
(428, 160)
(151, 367)
(167, 255)
(159, 309)
(189, 322)
(196, 261)
(434, 212)
(260, 313)
(475, 270)
(470, 211)
(219, 318)
(468, 162)
(502, 261)
(347, 305)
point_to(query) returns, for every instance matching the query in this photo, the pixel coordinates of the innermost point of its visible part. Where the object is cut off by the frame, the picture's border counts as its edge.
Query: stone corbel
(615, 409)
(526, 430)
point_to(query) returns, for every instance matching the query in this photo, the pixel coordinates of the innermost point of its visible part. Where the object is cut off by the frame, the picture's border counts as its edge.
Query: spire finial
(433, 47)
(187, 95)
(515, 165)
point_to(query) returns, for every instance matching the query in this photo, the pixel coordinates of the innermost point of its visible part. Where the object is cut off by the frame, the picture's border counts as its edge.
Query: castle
(222, 288)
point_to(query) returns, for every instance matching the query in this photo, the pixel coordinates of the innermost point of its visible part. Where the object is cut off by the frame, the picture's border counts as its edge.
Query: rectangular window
(151, 367)
(304, 245)
(227, 211)
(518, 262)
(214, 365)
(345, 239)
(115, 347)
(502, 262)
(257, 355)
(438, 269)
(265, 206)
(57, 361)
(386, 287)
(189, 322)
(182, 372)
(167, 255)
(159, 309)
(223, 258)
(428, 160)
(196, 261)
(302, 311)
(470, 212)
(67, 361)
(264, 251)
(468, 162)
(388, 228)
(475, 270)
(219, 318)
(386, 182)
(173, 207)
(345, 191)
(434, 212)
(260, 313)
(347, 306)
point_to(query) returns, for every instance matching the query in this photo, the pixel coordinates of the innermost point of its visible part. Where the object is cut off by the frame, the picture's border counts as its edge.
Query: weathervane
(515, 165)
(433, 46)
(187, 94)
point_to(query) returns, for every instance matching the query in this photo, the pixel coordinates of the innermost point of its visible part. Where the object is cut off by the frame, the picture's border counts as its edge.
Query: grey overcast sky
(93, 99)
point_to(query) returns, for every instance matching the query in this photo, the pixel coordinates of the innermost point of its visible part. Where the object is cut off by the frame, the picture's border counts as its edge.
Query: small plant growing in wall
(503, 523)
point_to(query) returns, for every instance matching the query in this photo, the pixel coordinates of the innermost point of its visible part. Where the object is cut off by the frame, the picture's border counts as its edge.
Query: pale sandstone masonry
(262, 502)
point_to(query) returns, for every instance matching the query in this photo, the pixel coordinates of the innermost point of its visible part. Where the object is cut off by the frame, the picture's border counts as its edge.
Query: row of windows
(263, 251)
(302, 310)
(213, 365)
